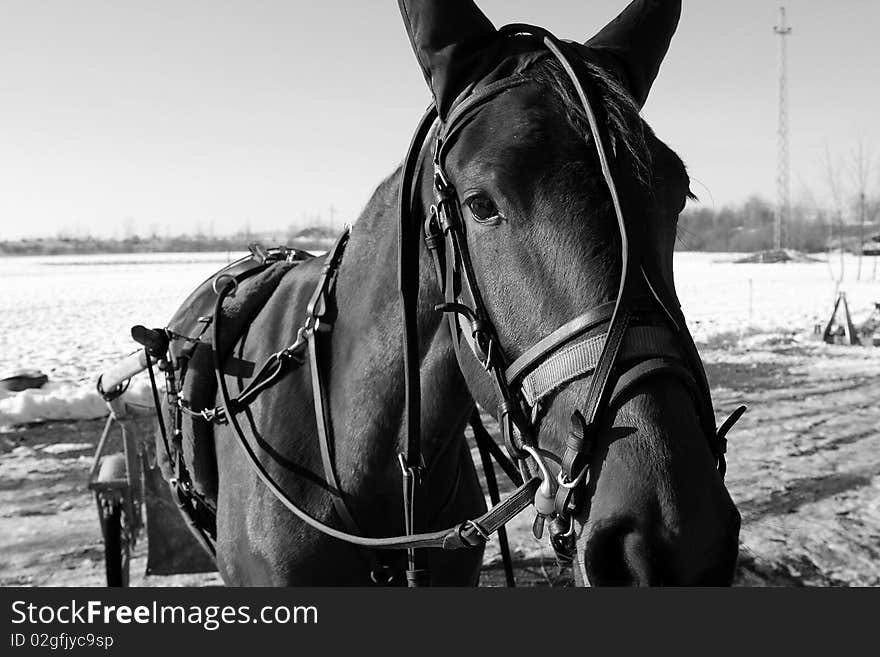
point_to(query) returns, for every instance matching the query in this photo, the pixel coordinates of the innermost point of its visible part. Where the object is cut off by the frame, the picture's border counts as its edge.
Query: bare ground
(804, 469)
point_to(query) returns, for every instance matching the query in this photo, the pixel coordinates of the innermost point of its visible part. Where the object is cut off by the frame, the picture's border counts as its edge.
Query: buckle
(212, 415)
(562, 478)
(258, 252)
(433, 233)
(487, 352)
(562, 539)
(473, 524)
(408, 470)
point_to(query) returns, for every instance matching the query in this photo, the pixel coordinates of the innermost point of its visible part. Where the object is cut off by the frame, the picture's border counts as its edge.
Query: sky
(172, 116)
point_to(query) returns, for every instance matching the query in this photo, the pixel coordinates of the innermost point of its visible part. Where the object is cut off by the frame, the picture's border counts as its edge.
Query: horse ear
(636, 42)
(450, 39)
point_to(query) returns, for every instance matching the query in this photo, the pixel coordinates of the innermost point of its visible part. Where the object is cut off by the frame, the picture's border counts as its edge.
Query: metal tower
(783, 186)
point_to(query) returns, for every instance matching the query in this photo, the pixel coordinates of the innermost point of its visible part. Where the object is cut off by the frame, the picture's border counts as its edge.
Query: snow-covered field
(804, 462)
(721, 297)
(70, 316)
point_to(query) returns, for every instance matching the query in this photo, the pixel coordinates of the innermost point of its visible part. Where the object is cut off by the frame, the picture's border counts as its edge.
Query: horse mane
(614, 107)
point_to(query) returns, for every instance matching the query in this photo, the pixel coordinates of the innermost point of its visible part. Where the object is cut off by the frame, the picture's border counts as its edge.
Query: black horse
(547, 240)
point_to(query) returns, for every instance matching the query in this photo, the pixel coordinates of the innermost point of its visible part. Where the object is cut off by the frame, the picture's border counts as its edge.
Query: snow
(721, 298)
(70, 316)
(60, 449)
(65, 401)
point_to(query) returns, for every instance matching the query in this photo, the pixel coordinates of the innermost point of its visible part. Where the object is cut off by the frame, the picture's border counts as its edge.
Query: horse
(562, 201)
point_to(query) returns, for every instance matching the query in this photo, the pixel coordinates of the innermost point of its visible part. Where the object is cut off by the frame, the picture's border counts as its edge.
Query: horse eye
(483, 209)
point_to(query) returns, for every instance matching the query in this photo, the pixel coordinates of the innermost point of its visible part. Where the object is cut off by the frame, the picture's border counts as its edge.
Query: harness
(617, 345)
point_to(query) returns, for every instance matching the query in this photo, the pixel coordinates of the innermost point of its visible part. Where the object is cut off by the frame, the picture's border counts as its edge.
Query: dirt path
(805, 461)
(804, 469)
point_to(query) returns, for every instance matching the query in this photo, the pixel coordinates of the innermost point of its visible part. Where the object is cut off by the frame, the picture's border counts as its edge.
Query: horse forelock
(613, 104)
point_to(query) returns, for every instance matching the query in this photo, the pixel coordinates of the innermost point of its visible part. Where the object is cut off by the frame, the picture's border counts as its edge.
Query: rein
(467, 534)
(470, 533)
(617, 345)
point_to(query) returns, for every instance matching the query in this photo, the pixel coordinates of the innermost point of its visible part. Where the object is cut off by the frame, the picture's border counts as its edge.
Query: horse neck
(367, 355)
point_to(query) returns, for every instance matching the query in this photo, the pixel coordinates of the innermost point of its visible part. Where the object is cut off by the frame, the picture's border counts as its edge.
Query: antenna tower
(783, 186)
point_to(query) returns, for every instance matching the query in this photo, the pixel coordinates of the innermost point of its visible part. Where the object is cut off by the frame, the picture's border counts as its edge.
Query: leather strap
(580, 359)
(655, 366)
(465, 111)
(322, 420)
(581, 324)
(484, 444)
(473, 533)
(408, 287)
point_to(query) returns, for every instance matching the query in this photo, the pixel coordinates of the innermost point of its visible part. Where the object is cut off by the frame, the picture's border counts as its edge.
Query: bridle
(617, 345)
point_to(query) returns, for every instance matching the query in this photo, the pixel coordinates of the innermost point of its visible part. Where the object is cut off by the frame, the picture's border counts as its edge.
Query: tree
(832, 177)
(866, 208)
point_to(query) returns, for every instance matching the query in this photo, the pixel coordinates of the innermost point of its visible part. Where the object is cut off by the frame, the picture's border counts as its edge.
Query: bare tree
(862, 165)
(835, 188)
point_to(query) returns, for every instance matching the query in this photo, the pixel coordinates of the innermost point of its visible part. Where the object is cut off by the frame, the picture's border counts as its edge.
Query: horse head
(566, 252)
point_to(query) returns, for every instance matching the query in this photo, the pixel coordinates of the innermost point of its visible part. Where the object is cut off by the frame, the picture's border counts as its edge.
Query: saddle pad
(199, 382)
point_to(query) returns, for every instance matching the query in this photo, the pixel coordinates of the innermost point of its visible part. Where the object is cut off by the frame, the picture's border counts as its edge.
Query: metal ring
(290, 351)
(539, 459)
(382, 576)
(302, 335)
(223, 277)
(411, 470)
(117, 392)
